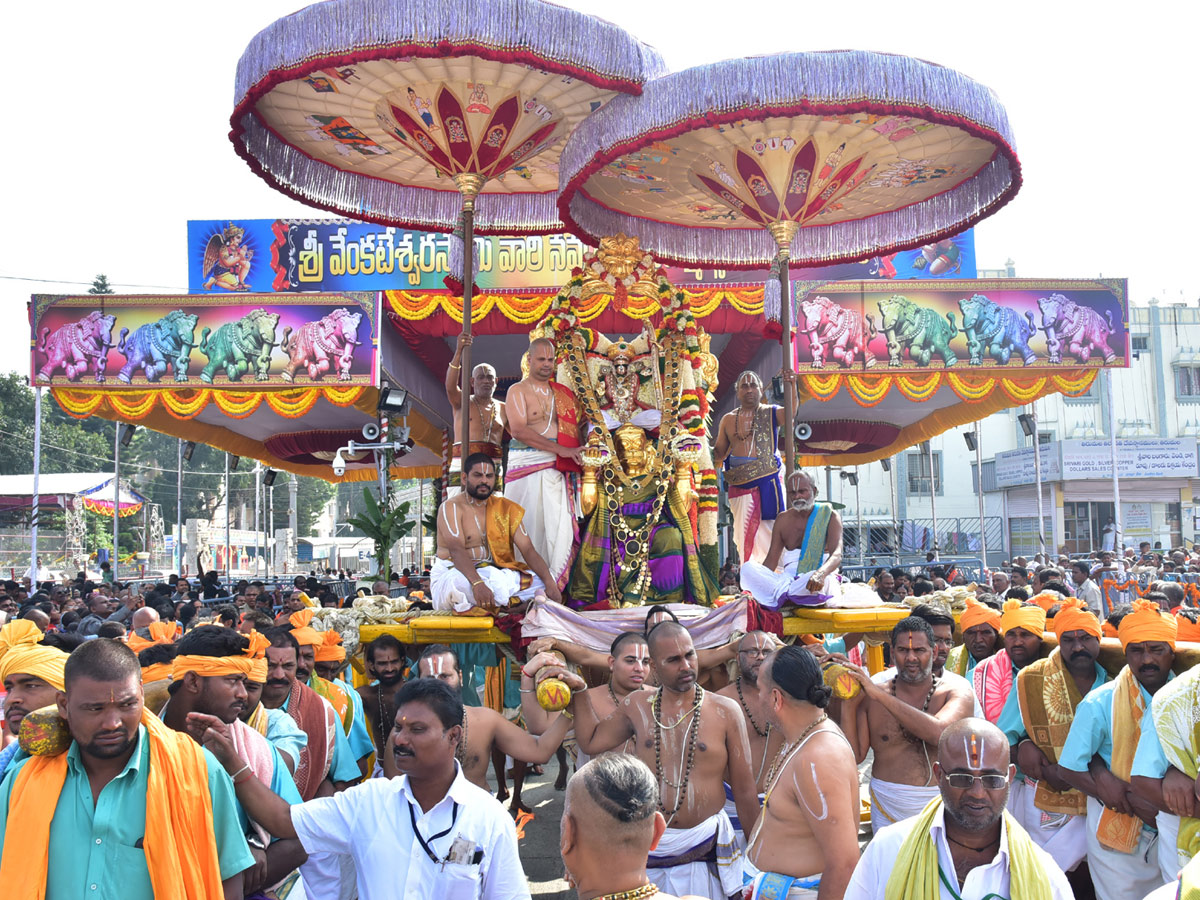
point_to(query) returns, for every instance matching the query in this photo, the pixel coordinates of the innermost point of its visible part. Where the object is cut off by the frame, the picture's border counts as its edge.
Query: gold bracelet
(453, 366)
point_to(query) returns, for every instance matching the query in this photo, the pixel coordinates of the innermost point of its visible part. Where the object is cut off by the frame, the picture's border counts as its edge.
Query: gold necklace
(637, 893)
(785, 754)
(737, 425)
(486, 427)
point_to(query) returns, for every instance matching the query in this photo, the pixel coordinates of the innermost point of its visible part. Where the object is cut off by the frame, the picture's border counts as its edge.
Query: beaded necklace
(904, 732)
(746, 710)
(485, 425)
(687, 757)
(460, 751)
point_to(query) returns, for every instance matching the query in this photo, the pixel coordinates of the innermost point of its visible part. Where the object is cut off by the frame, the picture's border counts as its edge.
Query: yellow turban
(1022, 615)
(160, 633)
(20, 651)
(979, 614)
(211, 666)
(1074, 616)
(257, 652)
(1147, 623)
(302, 631)
(156, 672)
(1188, 631)
(330, 649)
(1047, 599)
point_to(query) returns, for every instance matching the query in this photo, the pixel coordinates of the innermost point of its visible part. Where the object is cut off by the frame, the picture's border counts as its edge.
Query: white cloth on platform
(451, 591)
(892, 802)
(1062, 836)
(722, 878)
(598, 628)
(1116, 875)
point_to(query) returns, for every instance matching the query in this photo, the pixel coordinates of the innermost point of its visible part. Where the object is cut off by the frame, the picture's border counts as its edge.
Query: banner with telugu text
(293, 255)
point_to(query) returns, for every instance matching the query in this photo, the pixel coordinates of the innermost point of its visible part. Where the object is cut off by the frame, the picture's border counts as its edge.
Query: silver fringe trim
(853, 79)
(372, 199)
(553, 33)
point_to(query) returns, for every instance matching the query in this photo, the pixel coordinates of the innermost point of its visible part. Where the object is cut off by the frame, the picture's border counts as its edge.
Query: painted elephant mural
(77, 346)
(837, 332)
(157, 346)
(1079, 327)
(241, 346)
(1001, 331)
(322, 347)
(921, 330)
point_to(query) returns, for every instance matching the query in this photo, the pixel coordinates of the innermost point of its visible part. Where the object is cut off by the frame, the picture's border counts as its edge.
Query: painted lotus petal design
(869, 153)
(369, 108)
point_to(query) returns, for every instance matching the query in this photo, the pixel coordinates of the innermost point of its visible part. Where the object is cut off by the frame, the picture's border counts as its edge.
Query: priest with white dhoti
(478, 534)
(543, 462)
(806, 551)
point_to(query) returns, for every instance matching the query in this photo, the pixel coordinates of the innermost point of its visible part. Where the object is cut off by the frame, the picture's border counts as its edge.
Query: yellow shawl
(1116, 831)
(1048, 700)
(916, 872)
(1178, 730)
(181, 849)
(337, 698)
(503, 519)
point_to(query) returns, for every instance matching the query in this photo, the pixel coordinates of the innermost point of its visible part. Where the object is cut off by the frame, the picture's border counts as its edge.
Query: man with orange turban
(1037, 719)
(345, 702)
(32, 675)
(131, 809)
(1022, 626)
(980, 626)
(1121, 825)
(1167, 760)
(209, 679)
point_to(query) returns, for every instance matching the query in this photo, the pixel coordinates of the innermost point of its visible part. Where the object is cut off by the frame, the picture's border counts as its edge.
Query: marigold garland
(187, 403)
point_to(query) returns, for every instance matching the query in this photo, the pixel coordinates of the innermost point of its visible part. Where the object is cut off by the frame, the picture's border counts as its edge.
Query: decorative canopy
(92, 490)
(371, 108)
(862, 153)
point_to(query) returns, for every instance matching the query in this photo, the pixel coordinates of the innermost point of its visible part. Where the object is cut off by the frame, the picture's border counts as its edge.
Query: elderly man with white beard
(806, 549)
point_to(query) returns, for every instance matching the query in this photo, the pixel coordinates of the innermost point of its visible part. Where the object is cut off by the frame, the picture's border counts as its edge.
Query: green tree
(383, 526)
(100, 285)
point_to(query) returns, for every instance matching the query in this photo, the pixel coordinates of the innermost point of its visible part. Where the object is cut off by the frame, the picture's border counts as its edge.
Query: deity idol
(640, 543)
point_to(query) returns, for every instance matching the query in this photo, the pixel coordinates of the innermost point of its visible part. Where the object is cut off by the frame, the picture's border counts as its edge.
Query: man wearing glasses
(765, 741)
(963, 844)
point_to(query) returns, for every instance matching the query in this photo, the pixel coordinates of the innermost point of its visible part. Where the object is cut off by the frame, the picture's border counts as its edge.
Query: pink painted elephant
(836, 331)
(322, 347)
(77, 346)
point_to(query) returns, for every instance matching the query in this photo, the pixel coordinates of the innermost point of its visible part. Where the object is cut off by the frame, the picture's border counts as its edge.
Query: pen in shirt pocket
(478, 857)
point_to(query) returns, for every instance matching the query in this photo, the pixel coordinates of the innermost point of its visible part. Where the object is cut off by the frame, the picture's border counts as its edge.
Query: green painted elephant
(921, 330)
(237, 347)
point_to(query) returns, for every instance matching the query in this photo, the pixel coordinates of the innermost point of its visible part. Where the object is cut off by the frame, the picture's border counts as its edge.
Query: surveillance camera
(803, 431)
(339, 465)
(370, 431)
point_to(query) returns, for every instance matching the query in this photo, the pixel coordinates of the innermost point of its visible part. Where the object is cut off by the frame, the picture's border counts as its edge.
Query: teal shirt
(285, 735)
(1091, 732)
(96, 850)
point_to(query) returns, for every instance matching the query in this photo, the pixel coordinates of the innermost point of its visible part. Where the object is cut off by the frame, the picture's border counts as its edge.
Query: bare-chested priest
(543, 420)
(765, 741)
(806, 550)
(748, 445)
(693, 741)
(900, 720)
(478, 532)
(806, 840)
(486, 414)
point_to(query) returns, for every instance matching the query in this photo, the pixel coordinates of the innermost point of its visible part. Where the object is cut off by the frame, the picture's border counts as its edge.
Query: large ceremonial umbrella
(809, 158)
(429, 113)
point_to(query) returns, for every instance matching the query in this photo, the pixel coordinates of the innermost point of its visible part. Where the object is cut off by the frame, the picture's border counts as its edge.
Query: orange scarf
(1116, 831)
(181, 849)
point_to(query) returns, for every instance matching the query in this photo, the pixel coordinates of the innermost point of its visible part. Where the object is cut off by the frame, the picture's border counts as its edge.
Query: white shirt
(872, 872)
(371, 822)
(1089, 593)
